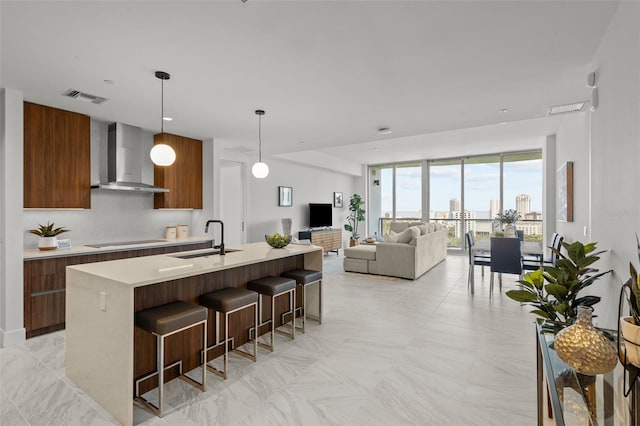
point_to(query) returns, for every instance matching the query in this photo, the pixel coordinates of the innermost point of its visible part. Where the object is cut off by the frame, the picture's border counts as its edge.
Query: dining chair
(532, 263)
(475, 259)
(505, 259)
(520, 234)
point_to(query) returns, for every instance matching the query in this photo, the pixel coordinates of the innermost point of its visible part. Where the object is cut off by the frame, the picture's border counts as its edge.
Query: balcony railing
(483, 228)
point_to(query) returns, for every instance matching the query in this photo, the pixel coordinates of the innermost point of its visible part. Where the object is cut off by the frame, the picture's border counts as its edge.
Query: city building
(523, 204)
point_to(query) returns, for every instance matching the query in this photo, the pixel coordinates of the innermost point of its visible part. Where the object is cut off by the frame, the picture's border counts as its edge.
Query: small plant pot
(631, 333)
(353, 243)
(48, 243)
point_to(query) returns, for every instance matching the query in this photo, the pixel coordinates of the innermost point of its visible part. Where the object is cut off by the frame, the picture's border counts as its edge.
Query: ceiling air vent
(87, 97)
(563, 109)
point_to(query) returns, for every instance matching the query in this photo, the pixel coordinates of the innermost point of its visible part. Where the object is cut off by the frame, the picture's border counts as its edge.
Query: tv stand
(330, 239)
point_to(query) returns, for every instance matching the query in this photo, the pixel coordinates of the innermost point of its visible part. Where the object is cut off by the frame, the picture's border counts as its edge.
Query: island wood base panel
(188, 344)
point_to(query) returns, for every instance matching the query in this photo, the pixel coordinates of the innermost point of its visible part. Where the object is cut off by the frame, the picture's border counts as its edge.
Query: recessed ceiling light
(375, 148)
(109, 82)
(384, 131)
(167, 118)
(503, 110)
(300, 141)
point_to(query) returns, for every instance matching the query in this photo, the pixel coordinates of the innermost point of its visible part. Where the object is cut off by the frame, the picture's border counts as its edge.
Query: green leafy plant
(356, 215)
(553, 292)
(499, 234)
(47, 230)
(508, 216)
(634, 285)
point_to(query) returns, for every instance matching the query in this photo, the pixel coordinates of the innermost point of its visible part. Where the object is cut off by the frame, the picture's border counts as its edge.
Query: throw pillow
(391, 237)
(409, 234)
(424, 229)
(438, 226)
(416, 223)
(432, 227)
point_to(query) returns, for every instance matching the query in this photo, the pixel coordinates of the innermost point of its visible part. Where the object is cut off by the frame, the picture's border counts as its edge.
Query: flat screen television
(320, 215)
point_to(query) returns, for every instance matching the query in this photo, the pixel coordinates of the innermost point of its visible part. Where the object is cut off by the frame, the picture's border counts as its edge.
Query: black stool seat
(168, 318)
(228, 299)
(303, 276)
(271, 286)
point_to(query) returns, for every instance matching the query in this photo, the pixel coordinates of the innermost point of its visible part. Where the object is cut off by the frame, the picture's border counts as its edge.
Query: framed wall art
(338, 199)
(285, 196)
(564, 182)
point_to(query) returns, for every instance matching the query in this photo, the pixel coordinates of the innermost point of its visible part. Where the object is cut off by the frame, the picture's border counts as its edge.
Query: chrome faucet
(221, 246)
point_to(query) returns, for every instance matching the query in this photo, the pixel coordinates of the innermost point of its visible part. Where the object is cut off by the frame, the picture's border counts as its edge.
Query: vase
(353, 243)
(631, 334)
(584, 348)
(510, 230)
(48, 243)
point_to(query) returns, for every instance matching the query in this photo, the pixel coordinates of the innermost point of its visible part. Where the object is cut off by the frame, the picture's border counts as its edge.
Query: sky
(482, 183)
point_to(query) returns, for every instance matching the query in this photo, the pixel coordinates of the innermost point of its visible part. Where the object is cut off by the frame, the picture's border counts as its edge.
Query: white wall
(11, 155)
(615, 155)
(310, 185)
(573, 145)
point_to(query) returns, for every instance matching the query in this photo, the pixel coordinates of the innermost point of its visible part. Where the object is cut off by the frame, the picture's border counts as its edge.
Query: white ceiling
(328, 73)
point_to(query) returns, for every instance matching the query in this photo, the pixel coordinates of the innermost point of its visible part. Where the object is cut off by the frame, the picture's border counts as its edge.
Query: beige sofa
(417, 250)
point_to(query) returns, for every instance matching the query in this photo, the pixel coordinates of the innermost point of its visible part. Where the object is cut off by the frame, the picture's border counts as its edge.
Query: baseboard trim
(12, 338)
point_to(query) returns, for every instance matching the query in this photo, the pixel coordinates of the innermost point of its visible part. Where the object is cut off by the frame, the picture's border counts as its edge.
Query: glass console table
(576, 399)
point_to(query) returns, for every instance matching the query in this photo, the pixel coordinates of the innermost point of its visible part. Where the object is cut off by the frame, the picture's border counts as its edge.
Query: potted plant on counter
(356, 216)
(48, 236)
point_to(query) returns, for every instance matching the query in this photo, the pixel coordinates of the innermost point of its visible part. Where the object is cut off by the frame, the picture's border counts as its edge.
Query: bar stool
(164, 321)
(227, 301)
(274, 287)
(305, 277)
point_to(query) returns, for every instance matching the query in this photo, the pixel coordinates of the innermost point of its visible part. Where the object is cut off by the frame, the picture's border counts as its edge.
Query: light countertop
(34, 253)
(140, 271)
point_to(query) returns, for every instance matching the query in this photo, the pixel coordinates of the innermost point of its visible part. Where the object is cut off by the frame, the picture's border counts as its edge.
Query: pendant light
(260, 170)
(162, 154)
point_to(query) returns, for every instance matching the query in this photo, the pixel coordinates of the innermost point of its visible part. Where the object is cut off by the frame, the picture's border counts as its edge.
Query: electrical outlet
(103, 301)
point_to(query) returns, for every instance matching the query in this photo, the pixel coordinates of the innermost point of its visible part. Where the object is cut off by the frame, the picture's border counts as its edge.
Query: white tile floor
(389, 352)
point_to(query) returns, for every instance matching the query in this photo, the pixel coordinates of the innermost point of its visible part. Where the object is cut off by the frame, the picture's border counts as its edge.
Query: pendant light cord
(260, 137)
(162, 106)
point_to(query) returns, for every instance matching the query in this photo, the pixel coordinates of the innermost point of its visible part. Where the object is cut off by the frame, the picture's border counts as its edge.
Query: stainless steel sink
(202, 254)
(124, 243)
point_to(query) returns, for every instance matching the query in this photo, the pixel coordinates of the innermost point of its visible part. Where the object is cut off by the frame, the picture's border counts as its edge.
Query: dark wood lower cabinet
(44, 284)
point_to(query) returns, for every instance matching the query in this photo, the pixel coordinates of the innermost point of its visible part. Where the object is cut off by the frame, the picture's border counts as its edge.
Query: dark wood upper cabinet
(57, 158)
(183, 178)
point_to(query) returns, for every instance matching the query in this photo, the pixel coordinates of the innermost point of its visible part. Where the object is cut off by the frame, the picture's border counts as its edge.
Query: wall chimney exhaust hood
(124, 160)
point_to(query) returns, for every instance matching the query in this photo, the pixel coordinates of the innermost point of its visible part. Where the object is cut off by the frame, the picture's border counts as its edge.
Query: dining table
(527, 248)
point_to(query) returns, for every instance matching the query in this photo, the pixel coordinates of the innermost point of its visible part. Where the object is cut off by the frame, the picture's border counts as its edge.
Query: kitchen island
(105, 353)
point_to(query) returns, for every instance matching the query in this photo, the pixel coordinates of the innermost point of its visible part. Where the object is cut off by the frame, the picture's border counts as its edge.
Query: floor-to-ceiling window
(522, 189)
(445, 197)
(481, 194)
(463, 194)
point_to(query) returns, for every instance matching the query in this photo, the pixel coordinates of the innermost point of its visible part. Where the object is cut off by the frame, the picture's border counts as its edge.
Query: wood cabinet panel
(57, 162)
(183, 178)
(45, 283)
(329, 239)
(47, 310)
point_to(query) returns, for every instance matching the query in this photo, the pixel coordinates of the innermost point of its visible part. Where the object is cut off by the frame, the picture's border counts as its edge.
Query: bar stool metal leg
(291, 311)
(252, 356)
(160, 338)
